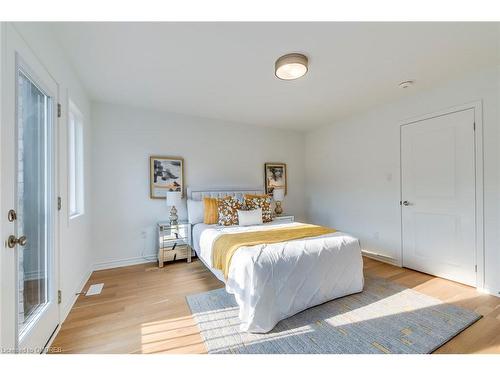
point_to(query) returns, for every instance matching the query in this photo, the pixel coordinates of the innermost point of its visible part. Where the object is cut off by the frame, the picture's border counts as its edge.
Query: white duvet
(273, 282)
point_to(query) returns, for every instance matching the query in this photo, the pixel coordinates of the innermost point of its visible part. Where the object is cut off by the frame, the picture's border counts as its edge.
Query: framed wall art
(275, 177)
(166, 174)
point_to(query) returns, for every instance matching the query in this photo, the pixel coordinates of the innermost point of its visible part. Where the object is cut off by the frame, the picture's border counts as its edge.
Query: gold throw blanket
(226, 245)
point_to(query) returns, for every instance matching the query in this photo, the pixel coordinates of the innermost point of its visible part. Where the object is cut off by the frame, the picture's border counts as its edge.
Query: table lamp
(278, 196)
(174, 198)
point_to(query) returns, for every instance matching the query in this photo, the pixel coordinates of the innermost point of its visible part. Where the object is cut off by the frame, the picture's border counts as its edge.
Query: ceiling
(226, 70)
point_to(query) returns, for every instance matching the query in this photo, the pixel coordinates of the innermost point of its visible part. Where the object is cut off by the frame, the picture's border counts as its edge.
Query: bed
(271, 282)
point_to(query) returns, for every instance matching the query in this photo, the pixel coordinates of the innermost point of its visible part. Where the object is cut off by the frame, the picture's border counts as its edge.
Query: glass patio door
(29, 196)
(35, 223)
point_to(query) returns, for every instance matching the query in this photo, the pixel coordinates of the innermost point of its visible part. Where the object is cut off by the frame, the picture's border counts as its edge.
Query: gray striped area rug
(385, 318)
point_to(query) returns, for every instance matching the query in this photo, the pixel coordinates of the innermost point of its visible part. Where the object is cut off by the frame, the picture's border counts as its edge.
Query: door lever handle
(406, 203)
(12, 241)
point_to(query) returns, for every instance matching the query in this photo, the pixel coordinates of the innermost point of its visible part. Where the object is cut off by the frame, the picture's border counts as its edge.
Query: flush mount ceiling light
(291, 66)
(406, 84)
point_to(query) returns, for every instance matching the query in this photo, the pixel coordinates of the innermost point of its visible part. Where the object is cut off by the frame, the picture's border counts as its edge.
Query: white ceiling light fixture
(406, 84)
(291, 66)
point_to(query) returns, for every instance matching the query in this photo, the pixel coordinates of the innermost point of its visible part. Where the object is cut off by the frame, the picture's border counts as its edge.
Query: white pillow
(195, 211)
(251, 217)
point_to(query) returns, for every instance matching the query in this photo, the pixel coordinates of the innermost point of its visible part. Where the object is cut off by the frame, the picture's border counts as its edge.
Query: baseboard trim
(124, 262)
(68, 306)
(51, 340)
(381, 258)
(152, 258)
(487, 290)
(395, 262)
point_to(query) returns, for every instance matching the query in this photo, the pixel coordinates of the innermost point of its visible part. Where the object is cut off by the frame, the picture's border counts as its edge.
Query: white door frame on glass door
(477, 106)
(17, 54)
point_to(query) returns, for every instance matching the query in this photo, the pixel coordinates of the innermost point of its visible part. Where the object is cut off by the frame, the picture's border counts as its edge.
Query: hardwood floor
(142, 309)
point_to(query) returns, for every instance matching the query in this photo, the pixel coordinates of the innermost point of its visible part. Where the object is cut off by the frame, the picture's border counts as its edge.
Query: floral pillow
(253, 202)
(228, 210)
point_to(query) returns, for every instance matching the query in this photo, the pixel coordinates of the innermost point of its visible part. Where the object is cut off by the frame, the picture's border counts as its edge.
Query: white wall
(75, 256)
(216, 154)
(353, 168)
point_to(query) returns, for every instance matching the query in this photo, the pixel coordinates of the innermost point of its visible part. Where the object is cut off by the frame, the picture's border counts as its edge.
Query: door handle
(12, 241)
(406, 203)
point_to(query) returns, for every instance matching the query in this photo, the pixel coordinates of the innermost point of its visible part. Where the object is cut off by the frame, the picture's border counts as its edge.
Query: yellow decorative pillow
(210, 211)
(253, 202)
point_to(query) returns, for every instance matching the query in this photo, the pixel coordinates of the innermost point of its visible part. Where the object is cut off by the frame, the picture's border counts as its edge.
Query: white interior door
(438, 196)
(29, 261)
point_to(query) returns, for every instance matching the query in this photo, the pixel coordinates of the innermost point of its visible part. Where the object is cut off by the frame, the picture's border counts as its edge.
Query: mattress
(274, 281)
(196, 235)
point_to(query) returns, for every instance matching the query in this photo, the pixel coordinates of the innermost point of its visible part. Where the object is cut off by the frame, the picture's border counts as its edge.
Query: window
(75, 161)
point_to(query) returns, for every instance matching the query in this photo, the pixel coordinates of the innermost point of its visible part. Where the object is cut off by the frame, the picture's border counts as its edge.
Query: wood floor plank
(142, 309)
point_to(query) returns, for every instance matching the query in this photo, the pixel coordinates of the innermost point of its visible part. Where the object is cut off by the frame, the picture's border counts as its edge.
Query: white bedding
(273, 282)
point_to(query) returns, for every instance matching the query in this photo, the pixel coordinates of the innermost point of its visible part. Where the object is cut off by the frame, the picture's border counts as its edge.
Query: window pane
(71, 162)
(79, 167)
(75, 162)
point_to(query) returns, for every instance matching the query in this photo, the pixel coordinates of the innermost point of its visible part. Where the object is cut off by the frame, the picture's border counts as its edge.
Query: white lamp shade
(279, 194)
(174, 198)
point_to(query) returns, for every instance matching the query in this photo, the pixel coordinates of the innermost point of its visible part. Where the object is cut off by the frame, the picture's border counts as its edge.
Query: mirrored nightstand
(284, 218)
(174, 242)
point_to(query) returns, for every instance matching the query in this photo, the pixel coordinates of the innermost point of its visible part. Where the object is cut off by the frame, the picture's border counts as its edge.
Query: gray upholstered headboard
(198, 194)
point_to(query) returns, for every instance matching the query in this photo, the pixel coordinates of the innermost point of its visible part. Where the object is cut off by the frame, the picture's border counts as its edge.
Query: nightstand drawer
(169, 244)
(180, 252)
(173, 233)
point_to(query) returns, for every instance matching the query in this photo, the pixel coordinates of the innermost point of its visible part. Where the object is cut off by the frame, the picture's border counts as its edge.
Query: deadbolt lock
(12, 216)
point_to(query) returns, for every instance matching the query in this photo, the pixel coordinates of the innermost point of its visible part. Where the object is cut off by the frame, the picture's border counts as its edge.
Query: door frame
(477, 106)
(26, 57)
